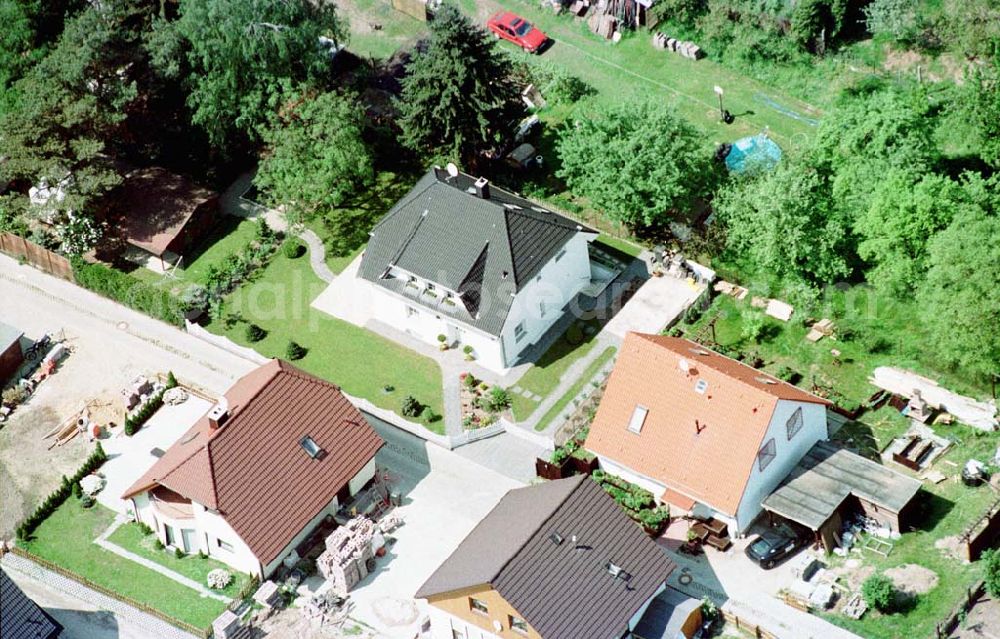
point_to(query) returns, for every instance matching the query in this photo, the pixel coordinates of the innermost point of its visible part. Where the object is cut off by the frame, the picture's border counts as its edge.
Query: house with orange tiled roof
(253, 477)
(701, 430)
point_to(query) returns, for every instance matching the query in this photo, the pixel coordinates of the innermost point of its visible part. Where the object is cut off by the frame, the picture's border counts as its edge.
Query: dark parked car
(516, 29)
(777, 544)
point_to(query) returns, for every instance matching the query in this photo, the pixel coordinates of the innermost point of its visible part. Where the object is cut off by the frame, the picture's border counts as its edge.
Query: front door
(187, 535)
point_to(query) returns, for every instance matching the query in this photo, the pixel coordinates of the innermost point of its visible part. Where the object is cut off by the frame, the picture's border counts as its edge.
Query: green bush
(991, 572)
(144, 529)
(171, 380)
(13, 396)
(87, 501)
(77, 490)
(125, 289)
(135, 421)
(57, 498)
(411, 407)
(293, 249)
(178, 553)
(255, 333)
(470, 381)
(878, 592)
(495, 400)
(295, 351)
(158, 544)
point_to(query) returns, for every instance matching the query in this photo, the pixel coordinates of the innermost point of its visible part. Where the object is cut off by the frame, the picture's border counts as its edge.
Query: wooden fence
(38, 256)
(752, 628)
(48, 565)
(983, 533)
(943, 630)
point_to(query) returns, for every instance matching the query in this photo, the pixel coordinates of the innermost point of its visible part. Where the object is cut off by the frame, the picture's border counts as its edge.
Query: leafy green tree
(783, 223)
(240, 54)
(638, 162)
(459, 96)
(971, 27)
(878, 592)
(981, 106)
(991, 572)
(316, 157)
(896, 19)
(894, 230)
(959, 298)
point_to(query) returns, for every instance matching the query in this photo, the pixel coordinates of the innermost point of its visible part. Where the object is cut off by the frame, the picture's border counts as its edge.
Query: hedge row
(125, 289)
(61, 494)
(134, 422)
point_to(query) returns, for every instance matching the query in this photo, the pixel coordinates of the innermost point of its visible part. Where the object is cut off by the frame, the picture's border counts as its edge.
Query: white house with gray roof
(484, 267)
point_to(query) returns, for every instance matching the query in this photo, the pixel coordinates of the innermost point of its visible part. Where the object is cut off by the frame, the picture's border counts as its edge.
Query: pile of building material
(603, 24)
(917, 449)
(349, 554)
(978, 414)
(229, 626)
(138, 392)
(819, 330)
(268, 595)
(175, 396)
(324, 608)
(685, 48)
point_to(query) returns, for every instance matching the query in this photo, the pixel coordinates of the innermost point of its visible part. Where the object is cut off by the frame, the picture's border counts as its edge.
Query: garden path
(103, 542)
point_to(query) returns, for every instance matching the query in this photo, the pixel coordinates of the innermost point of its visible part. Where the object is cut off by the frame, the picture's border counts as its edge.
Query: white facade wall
(210, 528)
(553, 287)
(789, 453)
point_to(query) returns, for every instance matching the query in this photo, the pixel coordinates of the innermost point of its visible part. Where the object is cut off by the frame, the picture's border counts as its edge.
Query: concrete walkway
(103, 542)
(317, 255)
(144, 625)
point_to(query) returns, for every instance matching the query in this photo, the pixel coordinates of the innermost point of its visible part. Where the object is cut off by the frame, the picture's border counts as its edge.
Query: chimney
(219, 414)
(483, 188)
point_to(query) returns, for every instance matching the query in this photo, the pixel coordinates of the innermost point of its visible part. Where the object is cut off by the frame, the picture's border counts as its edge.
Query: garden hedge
(134, 422)
(61, 494)
(125, 289)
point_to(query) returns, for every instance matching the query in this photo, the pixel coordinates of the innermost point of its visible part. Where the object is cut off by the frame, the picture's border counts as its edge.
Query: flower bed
(482, 404)
(638, 503)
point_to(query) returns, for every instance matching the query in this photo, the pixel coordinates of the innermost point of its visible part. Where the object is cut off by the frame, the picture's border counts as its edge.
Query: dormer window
(638, 419)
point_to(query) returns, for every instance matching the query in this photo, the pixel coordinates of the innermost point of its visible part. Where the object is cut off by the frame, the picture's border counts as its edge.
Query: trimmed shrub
(135, 421)
(293, 249)
(178, 553)
(255, 333)
(470, 381)
(77, 490)
(219, 579)
(411, 407)
(87, 501)
(878, 592)
(144, 529)
(61, 494)
(125, 289)
(171, 380)
(295, 351)
(495, 400)
(158, 545)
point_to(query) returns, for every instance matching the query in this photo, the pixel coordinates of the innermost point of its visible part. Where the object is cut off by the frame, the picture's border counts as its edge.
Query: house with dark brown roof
(558, 560)
(22, 618)
(701, 430)
(164, 214)
(251, 479)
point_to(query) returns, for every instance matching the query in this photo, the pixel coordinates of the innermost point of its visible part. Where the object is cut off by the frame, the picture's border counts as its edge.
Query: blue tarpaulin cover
(754, 153)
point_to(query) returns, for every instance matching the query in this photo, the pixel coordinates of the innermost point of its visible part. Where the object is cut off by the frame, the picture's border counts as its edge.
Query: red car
(513, 27)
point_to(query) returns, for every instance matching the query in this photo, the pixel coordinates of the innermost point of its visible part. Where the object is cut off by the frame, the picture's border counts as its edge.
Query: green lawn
(66, 539)
(130, 537)
(358, 360)
(592, 369)
(229, 235)
(951, 507)
(884, 335)
(396, 28)
(543, 377)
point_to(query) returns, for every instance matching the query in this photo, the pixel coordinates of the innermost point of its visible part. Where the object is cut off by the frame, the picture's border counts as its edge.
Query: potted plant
(469, 356)
(443, 342)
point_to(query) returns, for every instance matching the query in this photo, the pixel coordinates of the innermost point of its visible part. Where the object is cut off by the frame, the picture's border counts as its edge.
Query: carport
(830, 483)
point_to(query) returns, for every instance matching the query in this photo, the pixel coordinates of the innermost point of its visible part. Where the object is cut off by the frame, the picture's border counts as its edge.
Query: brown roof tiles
(252, 468)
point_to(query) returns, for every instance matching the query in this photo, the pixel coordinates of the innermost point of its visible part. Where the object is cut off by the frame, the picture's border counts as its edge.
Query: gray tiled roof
(485, 248)
(21, 617)
(8, 335)
(563, 590)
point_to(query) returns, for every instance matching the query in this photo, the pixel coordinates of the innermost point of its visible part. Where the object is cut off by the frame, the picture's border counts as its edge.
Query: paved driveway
(130, 457)
(743, 588)
(444, 497)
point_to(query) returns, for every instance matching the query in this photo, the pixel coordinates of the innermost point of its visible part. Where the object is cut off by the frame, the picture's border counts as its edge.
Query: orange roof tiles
(252, 468)
(707, 416)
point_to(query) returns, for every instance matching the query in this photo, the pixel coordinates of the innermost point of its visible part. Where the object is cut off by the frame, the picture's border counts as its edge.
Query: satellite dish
(452, 169)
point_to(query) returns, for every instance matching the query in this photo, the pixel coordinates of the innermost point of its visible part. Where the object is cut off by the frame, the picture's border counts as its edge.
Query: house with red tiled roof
(698, 428)
(253, 477)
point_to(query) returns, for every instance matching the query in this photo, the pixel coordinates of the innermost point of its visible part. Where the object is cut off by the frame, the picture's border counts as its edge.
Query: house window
(479, 606)
(168, 532)
(766, 455)
(519, 332)
(794, 423)
(560, 254)
(430, 287)
(541, 309)
(638, 419)
(457, 634)
(518, 625)
(411, 312)
(225, 545)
